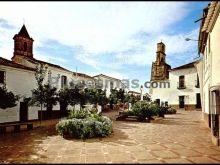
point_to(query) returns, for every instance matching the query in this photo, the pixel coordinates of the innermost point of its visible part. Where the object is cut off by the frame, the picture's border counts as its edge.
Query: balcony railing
(181, 85)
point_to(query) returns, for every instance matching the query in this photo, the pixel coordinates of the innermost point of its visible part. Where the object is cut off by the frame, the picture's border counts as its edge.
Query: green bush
(144, 109)
(81, 114)
(161, 111)
(171, 110)
(82, 124)
(128, 112)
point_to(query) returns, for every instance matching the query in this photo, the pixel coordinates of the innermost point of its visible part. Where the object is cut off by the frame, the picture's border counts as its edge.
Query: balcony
(181, 85)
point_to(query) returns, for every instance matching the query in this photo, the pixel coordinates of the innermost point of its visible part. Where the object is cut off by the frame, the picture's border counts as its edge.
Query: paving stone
(201, 159)
(178, 138)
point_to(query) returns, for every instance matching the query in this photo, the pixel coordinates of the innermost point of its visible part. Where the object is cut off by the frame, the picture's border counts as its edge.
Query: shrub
(161, 111)
(84, 124)
(81, 114)
(143, 109)
(128, 112)
(85, 128)
(171, 110)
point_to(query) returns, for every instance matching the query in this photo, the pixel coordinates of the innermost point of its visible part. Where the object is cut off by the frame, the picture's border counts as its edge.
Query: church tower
(160, 69)
(23, 45)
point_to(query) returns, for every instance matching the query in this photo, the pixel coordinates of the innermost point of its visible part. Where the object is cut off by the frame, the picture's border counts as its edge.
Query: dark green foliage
(171, 110)
(144, 109)
(45, 95)
(7, 99)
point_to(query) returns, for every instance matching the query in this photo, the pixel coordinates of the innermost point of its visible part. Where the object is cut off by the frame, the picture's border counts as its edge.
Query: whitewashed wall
(20, 82)
(106, 84)
(172, 94)
(211, 64)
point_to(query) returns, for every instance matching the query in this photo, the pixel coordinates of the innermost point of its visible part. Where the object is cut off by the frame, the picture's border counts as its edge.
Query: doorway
(198, 100)
(23, 111)
(181, 102)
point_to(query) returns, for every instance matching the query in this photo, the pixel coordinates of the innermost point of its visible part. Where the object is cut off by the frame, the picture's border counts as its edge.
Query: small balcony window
(181, 83)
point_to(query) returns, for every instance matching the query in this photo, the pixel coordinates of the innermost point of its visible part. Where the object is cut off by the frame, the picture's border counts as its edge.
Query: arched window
(25, 46)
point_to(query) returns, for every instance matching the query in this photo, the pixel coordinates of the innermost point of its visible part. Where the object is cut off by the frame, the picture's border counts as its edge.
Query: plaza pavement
(178, 138)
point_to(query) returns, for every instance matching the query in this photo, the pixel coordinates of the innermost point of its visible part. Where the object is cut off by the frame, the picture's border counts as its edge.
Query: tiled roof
(213, 11)
(6, 62)
(210, 15)
(189, 65)
(35, 61)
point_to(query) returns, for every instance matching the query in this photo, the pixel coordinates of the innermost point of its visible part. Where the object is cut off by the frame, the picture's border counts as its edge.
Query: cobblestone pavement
(179, 138)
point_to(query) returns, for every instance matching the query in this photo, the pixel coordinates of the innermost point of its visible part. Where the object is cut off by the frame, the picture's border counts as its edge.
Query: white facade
(20, 82)
(209, 67)
(109, 83)
(167, 90)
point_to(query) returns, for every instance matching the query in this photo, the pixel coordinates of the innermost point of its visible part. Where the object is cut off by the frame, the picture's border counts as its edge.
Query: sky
(118, 39)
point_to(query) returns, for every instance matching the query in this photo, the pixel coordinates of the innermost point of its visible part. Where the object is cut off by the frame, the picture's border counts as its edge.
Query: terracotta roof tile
(6, 62)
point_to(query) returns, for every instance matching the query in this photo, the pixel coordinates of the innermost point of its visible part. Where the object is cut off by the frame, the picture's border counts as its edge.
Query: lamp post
(141, 89)
(189, 39)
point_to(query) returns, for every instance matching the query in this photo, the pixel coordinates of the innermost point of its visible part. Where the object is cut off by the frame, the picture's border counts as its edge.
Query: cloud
(98, 27)
(110, 37)
(5, 24)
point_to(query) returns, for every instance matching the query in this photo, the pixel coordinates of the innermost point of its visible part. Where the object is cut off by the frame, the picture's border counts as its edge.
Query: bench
(17, 127)
(123, 116)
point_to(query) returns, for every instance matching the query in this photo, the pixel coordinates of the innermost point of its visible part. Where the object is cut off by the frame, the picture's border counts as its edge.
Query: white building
(180, 90)
(107, 83)
(209, 66)
(20, 80)
(19, 77)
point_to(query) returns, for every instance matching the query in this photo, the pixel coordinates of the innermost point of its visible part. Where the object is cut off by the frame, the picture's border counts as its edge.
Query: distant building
(209, 66)
(107, 83)
(19, 77)
(178, 87)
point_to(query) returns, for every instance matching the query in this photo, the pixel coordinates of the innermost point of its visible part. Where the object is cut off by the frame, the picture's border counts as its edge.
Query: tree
(69, 96)
(121, 95)
(7, 99)
(113, 97)
(63, 98)
(101, 97)
(44, 94)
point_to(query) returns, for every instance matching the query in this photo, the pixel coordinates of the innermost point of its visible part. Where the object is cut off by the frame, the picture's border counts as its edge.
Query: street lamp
(141, 92)
(188, 39)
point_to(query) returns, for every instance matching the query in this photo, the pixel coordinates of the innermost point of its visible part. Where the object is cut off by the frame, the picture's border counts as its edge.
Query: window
(157, 101)
(25, 46)
(181, 81)
(63, 81)
(111, 85)
(197, 82)
(2, 77)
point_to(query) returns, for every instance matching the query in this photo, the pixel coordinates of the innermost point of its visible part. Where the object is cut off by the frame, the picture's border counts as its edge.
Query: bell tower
(161, 56)
(160, 69)
(23, 45)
